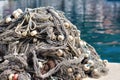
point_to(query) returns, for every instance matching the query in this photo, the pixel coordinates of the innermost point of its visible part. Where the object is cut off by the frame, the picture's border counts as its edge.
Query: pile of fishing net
(41, 44)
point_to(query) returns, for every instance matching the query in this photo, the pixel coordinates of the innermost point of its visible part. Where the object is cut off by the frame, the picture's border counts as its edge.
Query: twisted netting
(42, 44)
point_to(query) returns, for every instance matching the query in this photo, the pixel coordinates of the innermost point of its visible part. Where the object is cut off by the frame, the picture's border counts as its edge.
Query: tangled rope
(41, 44)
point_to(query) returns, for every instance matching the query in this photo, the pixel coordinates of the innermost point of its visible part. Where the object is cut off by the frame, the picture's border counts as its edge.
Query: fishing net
(41, 44)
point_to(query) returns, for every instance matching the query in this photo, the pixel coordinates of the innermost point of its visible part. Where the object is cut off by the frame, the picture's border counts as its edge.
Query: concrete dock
(113, 74)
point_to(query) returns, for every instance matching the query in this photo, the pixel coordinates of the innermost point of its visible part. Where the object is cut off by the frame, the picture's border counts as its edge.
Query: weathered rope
(41, 44)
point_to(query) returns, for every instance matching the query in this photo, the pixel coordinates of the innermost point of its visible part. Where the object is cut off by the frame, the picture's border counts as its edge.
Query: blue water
(99, 26)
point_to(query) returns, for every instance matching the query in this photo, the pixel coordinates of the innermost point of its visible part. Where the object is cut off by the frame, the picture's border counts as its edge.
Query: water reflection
(98, 20)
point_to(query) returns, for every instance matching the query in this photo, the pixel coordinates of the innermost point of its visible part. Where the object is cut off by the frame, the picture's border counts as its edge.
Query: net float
(67, 25)
(82, 42)
(16, 14)
(86, 55)
(15, 77)
(10, 77)
(70, 37)
(70, 70)
(86, 67)
(90, 62)
(78, 77)
(19, 11)
(59, 53)
(24, 33)
(100, 60)
(105, 62)
(34, 40)
(60, 37)
(33, 33)
(40, 64)
(96, 71)
(8, 19)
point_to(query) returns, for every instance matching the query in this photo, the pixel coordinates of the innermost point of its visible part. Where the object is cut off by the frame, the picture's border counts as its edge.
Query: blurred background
(98, 20)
